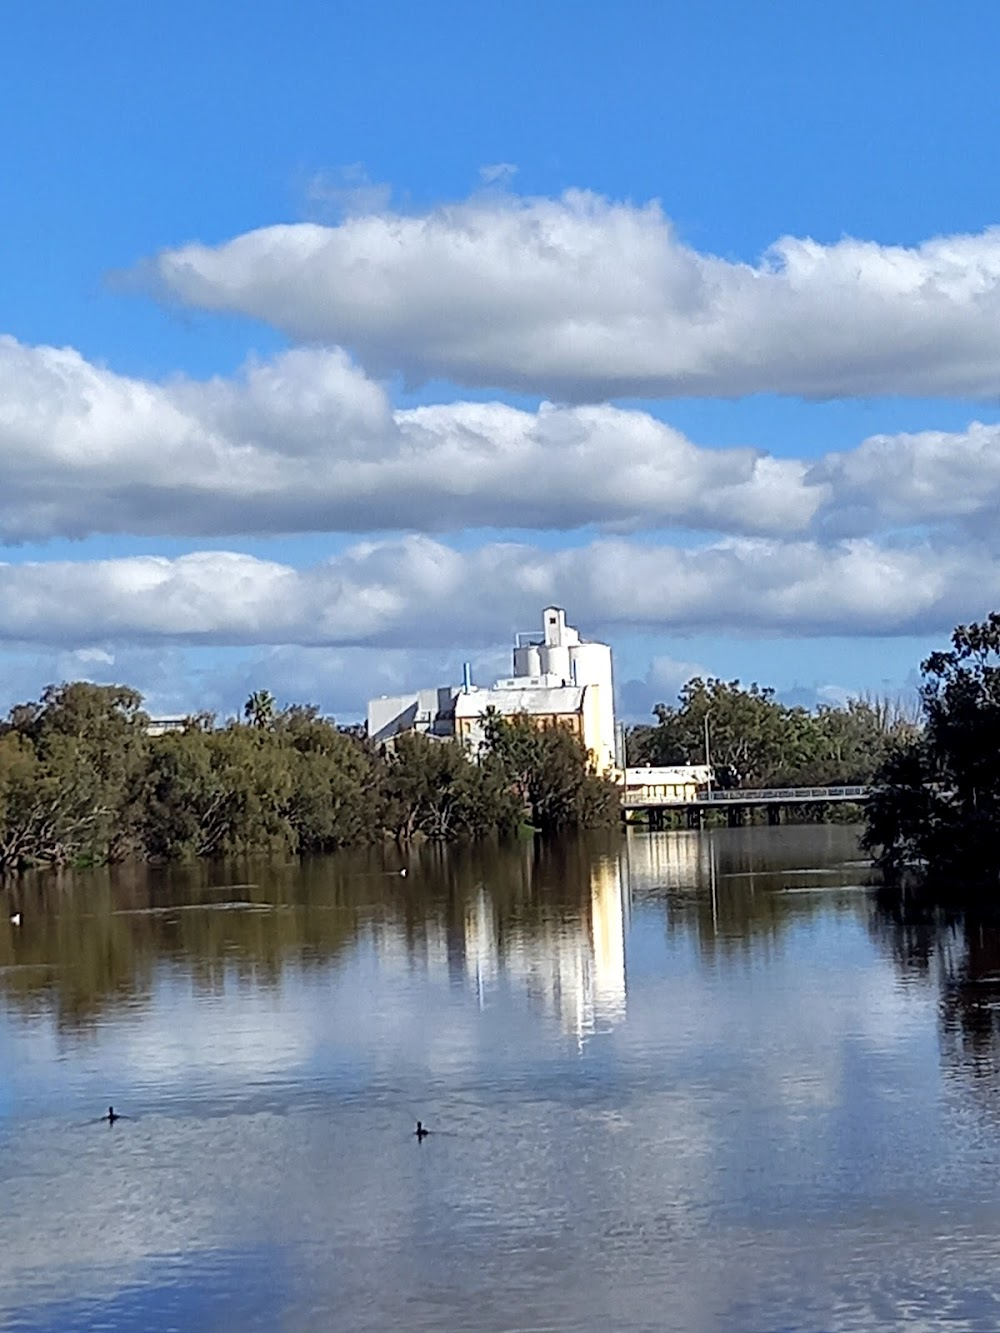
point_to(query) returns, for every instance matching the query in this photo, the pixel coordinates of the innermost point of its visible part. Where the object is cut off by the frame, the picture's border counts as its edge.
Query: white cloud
(928, 478)
(346, 191)
(422, 593)
(497, 173)
(661, 683)
(582, 298)
(307, 442)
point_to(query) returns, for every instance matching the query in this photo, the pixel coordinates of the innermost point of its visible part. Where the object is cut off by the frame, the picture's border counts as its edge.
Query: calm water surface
(691, 1082)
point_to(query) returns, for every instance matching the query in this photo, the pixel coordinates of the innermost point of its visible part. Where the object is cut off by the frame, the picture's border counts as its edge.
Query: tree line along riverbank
(82, 781)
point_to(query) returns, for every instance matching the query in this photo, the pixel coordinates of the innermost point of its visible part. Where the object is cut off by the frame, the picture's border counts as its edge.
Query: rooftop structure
(431, 712)
(163, 726)
(680, 782)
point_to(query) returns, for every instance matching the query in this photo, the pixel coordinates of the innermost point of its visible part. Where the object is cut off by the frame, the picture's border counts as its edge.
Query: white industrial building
(558, 678)
(431, 712)
(678, 782)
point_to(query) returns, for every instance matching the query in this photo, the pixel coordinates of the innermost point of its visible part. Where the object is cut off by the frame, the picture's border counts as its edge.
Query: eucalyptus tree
(549, 772)
(75, 761)
(748, 731)
(937, 798)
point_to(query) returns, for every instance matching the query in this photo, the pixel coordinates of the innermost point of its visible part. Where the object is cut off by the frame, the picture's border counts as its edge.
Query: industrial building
(558, 679)
(678, 782)
(431, 712)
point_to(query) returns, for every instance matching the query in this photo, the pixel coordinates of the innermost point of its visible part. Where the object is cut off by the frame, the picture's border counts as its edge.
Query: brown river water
(683, 1081)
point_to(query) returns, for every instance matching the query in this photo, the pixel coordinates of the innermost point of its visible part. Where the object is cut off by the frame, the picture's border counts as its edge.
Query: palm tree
(259, 708)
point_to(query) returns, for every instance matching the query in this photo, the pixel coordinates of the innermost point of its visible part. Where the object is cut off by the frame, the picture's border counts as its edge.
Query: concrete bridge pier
(774, 815)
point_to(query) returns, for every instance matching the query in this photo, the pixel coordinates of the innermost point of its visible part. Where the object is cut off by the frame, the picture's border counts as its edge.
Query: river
(684, 1081)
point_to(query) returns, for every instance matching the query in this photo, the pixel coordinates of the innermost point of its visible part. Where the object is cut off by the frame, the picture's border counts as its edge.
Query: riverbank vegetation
(935, 809)
(757, 741)
(82, 782)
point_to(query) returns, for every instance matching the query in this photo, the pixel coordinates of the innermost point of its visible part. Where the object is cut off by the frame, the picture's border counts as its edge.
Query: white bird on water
(16, 919)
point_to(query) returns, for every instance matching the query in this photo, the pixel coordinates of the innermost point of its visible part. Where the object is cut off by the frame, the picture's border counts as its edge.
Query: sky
(335, 343)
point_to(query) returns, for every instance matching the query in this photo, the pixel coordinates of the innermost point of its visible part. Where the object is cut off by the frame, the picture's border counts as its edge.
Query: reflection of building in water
(607, 924)
(574, 965)
(678, 860)
(427, 949)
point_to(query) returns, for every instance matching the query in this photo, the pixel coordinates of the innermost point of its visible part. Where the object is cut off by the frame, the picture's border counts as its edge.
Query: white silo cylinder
(591, 665)
(555, 660)
(527, 660)
(592, 662)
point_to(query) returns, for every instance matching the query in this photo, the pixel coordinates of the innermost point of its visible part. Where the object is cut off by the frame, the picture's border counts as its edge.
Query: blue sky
(591, 303)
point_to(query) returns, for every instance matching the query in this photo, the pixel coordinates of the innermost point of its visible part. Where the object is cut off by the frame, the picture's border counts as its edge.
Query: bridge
(737, 800)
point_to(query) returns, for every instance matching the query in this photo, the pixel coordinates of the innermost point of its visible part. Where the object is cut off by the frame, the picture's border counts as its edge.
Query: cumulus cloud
(662, 681)
(582, 298)
(422, 593)
(894, 481)
(307, 442)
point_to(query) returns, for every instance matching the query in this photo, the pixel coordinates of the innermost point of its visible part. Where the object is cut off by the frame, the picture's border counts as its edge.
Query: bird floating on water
(403, 872)
(16, 919)
(420, 1132)
(111, 1116)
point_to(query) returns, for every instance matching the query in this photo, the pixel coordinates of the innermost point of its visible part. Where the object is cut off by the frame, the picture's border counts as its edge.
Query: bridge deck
(743, 797)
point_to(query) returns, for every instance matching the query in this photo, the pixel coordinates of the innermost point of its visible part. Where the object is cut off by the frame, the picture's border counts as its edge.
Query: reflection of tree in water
(546, 917)
(737, 892)
(924, 941)
(960, 952)
(970, 1010)
(94, 941)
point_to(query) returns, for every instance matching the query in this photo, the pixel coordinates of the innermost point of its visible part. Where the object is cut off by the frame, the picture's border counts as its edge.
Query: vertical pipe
(708, 756)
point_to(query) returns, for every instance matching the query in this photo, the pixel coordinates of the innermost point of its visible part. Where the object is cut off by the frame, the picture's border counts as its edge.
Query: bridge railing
(751, 796)
(785, 794)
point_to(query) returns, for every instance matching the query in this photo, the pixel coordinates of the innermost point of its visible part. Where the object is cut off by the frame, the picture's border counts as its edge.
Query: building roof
(646, 775)
(562, 700)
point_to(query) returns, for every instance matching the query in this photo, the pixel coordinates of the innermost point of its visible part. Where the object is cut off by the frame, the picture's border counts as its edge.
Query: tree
(937, 797)
(854, 740)
(432, 788)
(336, 797)
(767, 743)
(25, 803)
(186, 810)
(550, 773)
(81, 782)
(81, 753)
(259, 709)
(748, 730)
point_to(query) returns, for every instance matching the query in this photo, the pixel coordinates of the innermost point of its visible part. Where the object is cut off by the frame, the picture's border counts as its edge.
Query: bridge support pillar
(735, 816)
(774, 814)
(695, 817)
